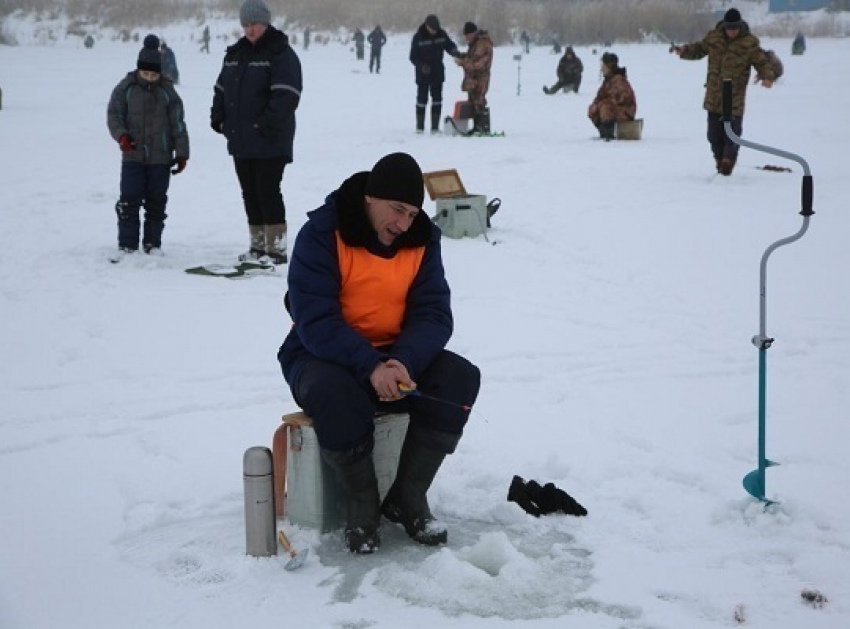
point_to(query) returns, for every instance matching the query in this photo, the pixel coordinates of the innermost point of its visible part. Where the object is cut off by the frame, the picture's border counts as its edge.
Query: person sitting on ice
(615, 101)
(371, 314)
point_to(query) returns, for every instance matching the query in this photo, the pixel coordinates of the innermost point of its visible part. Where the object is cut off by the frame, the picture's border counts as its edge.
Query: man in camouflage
(732, 50)
(569, 73)
(615, 101)
(476, 63)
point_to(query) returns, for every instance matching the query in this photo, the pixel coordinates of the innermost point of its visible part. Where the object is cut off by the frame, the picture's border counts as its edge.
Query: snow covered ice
(610, 313)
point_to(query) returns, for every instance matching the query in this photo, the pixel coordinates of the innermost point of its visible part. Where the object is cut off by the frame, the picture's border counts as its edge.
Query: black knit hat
(397, 177)
(432, 22)
(150, 57)
(732, 19)
(610, 59)
(469, 28)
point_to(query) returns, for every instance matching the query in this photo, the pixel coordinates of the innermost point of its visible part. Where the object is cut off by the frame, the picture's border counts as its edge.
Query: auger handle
(727, 100)
(808, 194)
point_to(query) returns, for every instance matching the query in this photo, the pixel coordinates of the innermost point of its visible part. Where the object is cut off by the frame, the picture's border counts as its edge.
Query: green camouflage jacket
(728, 59)
(476, 64)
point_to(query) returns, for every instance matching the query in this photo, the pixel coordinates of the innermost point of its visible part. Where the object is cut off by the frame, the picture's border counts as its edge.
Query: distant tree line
(578, 22)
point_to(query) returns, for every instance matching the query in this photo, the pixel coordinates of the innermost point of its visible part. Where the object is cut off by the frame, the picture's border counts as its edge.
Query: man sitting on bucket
(371, 316)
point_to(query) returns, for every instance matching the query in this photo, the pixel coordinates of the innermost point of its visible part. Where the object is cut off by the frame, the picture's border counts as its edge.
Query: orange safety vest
(373, 292)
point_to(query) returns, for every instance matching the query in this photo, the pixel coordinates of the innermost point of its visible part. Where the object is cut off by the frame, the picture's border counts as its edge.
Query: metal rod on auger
(754, 482)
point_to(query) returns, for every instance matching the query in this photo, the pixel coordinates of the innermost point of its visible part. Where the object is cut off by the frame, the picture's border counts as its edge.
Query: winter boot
(276, 243)
(355, 471)
(485, 120)
(727, 164)
(152, 235)
(606, 130)
(480, 122)
(546, 90)
(436, 111)
(420, 119)
(257, 247)
(128, 225)
(406, 503)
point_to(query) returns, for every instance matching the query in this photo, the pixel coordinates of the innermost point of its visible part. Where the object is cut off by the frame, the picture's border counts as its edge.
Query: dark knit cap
(432, 22)
(150, 57)
(254, 12)
(397, 177)
(610, 59)
(732, 19)
(469, 28)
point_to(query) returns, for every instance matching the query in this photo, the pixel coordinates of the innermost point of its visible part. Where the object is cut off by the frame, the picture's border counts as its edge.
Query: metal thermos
(260, 524)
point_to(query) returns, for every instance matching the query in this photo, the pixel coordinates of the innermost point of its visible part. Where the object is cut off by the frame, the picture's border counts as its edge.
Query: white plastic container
(459, 214)
(313, 496)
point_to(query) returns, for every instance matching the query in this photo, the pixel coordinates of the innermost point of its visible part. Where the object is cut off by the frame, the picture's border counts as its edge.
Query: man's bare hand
(387, 376)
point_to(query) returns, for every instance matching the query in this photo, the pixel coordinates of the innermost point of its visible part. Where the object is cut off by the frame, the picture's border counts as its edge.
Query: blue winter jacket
(319, 330)
(426, 55)
(256, 95)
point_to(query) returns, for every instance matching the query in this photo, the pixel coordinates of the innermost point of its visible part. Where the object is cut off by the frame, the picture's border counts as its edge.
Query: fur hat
(149, 56)
(397, 177)
(732, 19)
(432, 22)
(469, 28)
(254, 12)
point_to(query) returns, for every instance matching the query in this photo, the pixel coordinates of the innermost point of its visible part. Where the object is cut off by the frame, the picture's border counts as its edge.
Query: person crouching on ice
(371, 313)
(615, 101)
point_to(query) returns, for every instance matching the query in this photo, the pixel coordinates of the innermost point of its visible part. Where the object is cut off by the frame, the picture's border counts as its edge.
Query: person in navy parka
(371, 312)
(426, 54)
(256, 95)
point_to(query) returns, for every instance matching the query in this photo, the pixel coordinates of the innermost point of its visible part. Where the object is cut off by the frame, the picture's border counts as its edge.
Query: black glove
(519, 494)
(217, 125)
(550, 499)
(544, 500)
(179, 164)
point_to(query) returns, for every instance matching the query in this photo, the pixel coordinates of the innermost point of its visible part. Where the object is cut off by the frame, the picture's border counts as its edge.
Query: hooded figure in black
(426, 54)
(376, 40)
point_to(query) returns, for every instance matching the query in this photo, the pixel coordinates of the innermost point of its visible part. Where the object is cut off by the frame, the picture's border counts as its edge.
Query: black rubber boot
(420, 119)
(406, 503)
(436, 111)
(355, 471)
(481, 122)
(606, 130)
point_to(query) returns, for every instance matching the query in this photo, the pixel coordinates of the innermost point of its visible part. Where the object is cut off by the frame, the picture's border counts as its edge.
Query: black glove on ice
(544, 500)
(519, 494)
